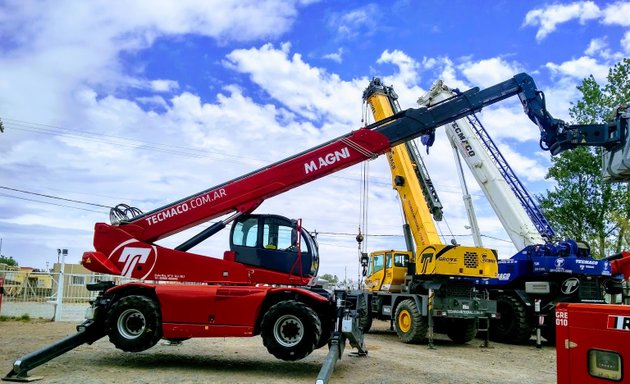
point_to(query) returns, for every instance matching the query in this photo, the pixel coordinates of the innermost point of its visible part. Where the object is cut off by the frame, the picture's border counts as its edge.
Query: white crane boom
(503, 200)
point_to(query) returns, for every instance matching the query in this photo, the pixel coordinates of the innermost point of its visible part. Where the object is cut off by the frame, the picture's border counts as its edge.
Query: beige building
(26, 283)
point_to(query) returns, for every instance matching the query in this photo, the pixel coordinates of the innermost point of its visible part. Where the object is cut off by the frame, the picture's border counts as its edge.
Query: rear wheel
(290, 330)
(462, 330)
(514, 325)
(410, 325)
(134, 323)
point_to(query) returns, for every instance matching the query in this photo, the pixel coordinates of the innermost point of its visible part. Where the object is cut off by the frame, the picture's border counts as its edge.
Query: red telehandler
(262, 284)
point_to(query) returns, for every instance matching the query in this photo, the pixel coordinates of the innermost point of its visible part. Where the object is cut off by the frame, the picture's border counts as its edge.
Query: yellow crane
(430, 283)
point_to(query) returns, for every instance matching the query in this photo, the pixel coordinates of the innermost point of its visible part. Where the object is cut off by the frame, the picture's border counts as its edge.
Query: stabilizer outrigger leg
(349, 310)
(87, 333)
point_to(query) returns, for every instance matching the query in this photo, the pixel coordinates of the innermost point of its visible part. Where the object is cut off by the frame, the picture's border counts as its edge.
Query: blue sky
(145, 102)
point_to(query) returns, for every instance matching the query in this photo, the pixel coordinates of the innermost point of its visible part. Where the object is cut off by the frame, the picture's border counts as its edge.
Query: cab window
(401, 260)
(278, 234)
(246, 233)
(378, 262)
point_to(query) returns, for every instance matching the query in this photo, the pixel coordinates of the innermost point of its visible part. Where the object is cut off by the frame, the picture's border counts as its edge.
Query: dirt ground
(245, 360)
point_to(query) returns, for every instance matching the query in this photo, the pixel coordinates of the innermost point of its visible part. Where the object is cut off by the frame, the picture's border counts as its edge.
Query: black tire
(290, 330)
(365, 322)
(134, 323)
(514, 325)
(461, 331)
(410, 325)
(365, 315)
(328, 327)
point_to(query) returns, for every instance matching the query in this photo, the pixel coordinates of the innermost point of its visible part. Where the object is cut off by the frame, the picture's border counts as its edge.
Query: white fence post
(60, 285)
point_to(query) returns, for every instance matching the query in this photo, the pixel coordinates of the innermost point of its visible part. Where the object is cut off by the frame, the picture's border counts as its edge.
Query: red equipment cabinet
(592, 343)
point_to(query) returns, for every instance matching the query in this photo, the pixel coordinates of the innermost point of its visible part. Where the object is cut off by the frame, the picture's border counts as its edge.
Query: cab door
(376, 271)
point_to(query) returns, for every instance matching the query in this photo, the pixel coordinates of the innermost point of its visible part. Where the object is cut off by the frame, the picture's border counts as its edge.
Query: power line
(53, 197)
(354, 234)
(347, 234)
(342, 234)
(49, 203)
(54, 130)
(496, 238)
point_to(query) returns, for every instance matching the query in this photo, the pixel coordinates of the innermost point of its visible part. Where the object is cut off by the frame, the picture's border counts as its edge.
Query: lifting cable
(449, 234)
(363, 212)
(363, 224)
(364, 200)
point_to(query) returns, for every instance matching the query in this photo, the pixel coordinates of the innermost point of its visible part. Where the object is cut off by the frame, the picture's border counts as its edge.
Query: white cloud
(599, 48)
(63, 49)
(617, 13)
(580, 68)
(444, 69)
(526, 167)
(625, 43)
(507, 120)
(548, 18)
(596, 46)
(154, 100)
(305, 90)
(487, 72)
(407, 67)
(162, 85)
(560, 93)
(361, 20)
(337, 57)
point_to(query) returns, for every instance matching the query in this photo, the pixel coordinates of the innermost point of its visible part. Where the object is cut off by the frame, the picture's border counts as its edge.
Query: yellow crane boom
(431, 256)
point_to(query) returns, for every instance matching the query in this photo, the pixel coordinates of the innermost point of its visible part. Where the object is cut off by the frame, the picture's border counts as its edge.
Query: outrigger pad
(25, 379)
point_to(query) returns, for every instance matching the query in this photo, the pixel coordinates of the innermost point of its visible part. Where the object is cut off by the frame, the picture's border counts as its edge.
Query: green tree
(331, 279)
(8, 260)
(582, 206)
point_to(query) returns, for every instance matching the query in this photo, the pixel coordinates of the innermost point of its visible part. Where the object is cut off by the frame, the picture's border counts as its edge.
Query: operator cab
(387, 270)
(276, 243)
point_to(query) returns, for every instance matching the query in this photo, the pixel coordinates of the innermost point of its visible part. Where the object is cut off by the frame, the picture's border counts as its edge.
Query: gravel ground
(245, 360)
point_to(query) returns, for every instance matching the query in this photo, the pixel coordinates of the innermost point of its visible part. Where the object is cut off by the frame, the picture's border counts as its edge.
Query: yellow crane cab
(387, 270)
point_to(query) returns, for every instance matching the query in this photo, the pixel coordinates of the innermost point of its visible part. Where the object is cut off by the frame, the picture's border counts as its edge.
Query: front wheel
(134, 323)
(410, 325)
(290, 330)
